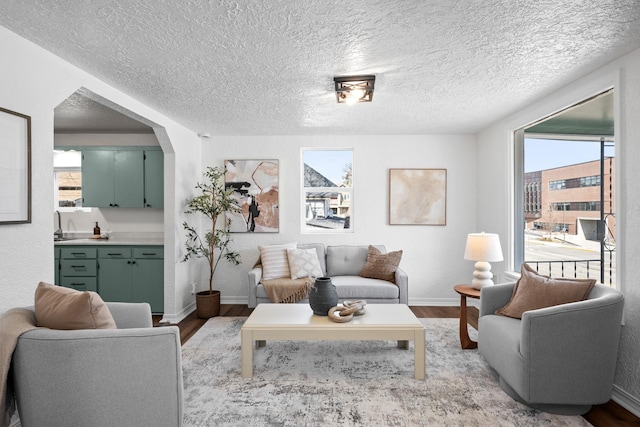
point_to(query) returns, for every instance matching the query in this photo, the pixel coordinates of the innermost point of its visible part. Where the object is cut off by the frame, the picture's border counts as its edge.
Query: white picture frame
(417, 196)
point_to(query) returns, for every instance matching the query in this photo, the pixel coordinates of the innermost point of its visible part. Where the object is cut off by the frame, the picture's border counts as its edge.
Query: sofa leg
(557, 409)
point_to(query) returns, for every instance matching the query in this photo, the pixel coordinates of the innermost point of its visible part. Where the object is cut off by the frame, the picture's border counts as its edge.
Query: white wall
(432, 255)
(34, 82)
(495, 189)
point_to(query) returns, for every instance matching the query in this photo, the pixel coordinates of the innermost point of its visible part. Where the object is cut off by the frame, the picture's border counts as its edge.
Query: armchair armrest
(131, 315)
(494, 297)
(402, 280)
(578, 325)
(78, 377)
(254, 277)
(585, 333)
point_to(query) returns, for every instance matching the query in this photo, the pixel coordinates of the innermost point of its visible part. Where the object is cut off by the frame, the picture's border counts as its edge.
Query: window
(586, 181)
(589, 181)
(67, 178)
(572, 231)
(327, 190)
(557, 185)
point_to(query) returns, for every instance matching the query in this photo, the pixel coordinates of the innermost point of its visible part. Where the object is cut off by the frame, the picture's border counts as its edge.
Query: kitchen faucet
(58, 233)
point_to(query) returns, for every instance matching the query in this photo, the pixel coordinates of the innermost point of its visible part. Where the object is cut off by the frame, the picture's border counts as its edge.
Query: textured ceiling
(81, 114)
(266, 68)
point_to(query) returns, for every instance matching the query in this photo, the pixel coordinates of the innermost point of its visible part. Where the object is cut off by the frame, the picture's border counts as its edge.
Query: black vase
(323, 296)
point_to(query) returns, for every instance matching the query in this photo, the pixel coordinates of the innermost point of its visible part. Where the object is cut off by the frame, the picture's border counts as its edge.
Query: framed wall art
(15, 167)
(255, 190)
(417, 196)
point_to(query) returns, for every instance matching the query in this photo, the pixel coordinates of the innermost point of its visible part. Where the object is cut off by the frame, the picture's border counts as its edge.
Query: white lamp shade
(483, 247)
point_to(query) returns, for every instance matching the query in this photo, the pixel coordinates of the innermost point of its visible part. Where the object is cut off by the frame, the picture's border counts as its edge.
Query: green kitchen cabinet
(113, 178)
(132, 274)
(97, 178)
(148, 277)
(153, 179)
(56, 252)
(78, 268)
(114, 277)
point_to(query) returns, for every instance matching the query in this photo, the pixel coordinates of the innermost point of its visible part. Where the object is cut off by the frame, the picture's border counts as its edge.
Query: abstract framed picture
(15, 167)
(255, 191)
(417, 196)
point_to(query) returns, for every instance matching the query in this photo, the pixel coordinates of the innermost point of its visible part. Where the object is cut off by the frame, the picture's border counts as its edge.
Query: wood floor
(606, 415)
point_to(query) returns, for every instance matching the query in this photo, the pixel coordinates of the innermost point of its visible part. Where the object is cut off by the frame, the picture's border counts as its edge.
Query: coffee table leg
(246, 345)
(419, 357)
(403, 344)
(261, 343)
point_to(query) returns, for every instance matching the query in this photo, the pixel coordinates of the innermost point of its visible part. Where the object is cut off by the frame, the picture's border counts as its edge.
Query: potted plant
(212, 202)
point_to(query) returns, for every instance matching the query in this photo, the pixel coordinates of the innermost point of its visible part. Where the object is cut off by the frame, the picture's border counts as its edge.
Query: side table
(465, 292)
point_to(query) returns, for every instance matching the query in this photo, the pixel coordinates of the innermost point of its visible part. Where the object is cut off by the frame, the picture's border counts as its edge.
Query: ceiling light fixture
(353, 89)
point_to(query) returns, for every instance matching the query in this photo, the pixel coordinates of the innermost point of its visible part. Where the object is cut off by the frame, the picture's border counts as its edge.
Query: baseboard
(174, 319)
(626, 400)
(233, 300)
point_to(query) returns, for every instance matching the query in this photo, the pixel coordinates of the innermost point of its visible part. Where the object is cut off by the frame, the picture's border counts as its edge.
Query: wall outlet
(193, 288)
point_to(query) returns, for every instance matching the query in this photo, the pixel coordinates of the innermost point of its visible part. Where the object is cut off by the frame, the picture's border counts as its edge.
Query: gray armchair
(101, 377)
(559, 359)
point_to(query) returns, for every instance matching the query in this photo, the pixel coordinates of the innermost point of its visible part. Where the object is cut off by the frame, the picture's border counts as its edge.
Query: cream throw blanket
(13, 323)
(287, 290)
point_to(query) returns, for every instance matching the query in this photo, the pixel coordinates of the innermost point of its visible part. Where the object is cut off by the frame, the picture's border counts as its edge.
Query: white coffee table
(394, 322)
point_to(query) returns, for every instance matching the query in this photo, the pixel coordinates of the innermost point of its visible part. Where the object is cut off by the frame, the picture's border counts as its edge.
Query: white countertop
(122, 239)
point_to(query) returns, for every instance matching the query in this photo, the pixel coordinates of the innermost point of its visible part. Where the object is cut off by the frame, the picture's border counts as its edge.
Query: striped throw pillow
(275, 263)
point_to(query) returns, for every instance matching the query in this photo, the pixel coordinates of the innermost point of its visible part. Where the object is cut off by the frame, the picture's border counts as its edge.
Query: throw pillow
(534, 291)
(346, 260)
(57, 307)
(275, 263)
(303, 263)
(381, 266)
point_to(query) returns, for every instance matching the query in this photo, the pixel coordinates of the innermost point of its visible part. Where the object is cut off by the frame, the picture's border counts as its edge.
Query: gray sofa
(559, 359)
(343, 264)
(101, 377)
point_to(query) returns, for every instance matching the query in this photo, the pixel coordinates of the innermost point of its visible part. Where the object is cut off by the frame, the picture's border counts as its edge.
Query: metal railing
(577, 269)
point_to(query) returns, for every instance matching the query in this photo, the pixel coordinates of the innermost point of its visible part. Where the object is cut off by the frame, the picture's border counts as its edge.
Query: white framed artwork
(417, 196)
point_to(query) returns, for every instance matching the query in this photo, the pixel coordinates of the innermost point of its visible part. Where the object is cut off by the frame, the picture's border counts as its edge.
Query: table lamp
(483, 248)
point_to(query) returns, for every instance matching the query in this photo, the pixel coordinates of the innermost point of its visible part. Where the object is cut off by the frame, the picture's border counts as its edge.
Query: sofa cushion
(275, 264)
(346, 260)
(303, 263)
(355, 287)
(57, 307)
(534, 291)
(381, 266)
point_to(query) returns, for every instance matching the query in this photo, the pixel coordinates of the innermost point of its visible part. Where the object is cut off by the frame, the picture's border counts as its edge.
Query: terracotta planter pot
(207, 304)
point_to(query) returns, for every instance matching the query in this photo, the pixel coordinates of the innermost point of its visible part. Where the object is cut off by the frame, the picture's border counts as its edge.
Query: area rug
(346, 383)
